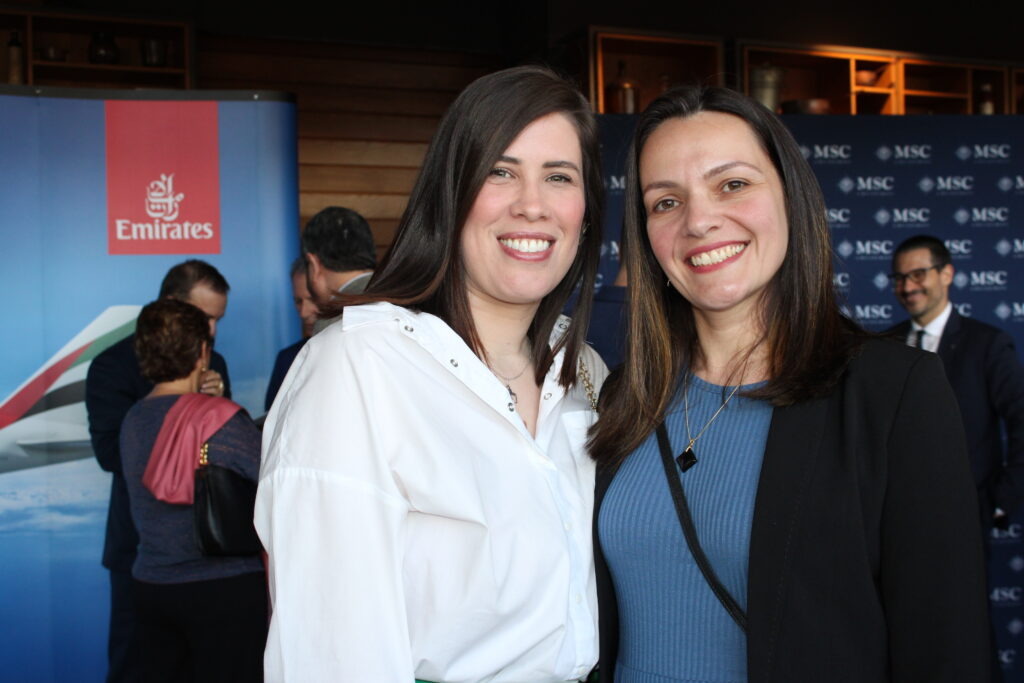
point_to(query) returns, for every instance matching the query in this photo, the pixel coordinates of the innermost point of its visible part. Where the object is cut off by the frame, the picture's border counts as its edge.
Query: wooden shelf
(56, 48)
(650, 62)
(865, 81)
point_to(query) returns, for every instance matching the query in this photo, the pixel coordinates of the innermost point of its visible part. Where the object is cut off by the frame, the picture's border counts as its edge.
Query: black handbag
(222, 510)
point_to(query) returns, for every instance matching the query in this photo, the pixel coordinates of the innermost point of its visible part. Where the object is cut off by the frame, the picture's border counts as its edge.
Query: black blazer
(865, 553)
(112, 386)
(988, 381)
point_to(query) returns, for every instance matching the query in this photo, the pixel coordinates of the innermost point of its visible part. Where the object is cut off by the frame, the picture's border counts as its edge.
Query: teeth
(527, 246)
(710, 258)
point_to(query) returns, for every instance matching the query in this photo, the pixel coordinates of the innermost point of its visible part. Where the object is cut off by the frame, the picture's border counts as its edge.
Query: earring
(668, 283)
(583, 231)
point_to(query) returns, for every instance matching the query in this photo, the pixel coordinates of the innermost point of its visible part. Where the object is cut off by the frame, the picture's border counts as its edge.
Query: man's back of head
(338, 245)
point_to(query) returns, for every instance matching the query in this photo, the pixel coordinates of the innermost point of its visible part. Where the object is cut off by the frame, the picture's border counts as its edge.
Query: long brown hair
(423, 269)
(808, 340)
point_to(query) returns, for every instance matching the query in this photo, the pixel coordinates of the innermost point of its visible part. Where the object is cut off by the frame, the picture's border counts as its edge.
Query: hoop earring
(583, 230)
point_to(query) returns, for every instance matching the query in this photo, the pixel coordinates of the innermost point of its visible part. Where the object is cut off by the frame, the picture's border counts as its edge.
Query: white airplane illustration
(44, 420)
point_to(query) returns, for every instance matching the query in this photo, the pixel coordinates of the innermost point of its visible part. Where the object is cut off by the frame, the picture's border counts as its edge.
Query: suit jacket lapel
(789, 461)
(950, 338)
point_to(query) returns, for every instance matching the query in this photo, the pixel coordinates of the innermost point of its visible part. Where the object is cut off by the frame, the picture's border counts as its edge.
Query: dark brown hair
(183, 277)
(423, 269)
(169, 338)
(809, 342)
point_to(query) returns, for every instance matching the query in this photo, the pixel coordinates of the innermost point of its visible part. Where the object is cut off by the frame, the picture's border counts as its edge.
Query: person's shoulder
(883, 359)
(980, 329)
(119, 351)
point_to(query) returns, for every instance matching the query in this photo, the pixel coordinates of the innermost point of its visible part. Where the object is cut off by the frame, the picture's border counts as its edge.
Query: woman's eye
(734, 185)
(501, 173)
(560, 178)
(664, 205)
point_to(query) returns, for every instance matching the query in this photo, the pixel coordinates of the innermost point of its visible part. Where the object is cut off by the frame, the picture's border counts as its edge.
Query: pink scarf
(191, 421)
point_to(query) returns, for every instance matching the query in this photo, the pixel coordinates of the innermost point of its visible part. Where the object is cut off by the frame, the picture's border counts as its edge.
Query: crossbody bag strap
(690, 532)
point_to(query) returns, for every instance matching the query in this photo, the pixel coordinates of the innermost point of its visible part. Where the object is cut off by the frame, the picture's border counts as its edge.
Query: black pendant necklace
(688, 458)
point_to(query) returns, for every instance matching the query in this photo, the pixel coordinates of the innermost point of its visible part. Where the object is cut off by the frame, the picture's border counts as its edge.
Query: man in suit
(340, 256)
(113, 384)
(307, 311)
(981, 365)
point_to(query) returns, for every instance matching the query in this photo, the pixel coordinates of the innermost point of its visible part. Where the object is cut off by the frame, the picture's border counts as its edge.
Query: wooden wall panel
(365, 114)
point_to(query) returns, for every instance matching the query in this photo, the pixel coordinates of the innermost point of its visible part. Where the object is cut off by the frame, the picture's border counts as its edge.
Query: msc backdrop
(886, 178)
(205, 174)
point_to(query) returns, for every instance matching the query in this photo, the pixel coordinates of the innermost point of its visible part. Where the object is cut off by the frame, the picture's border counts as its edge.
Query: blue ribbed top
(671, 626)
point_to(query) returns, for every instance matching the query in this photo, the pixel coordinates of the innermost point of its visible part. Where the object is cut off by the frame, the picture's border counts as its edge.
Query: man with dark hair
(114, 383)
(981, 365)
(340, 253)
(307, 311)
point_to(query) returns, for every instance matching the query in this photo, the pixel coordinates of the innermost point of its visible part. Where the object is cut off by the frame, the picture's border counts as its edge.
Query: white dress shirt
(932, 331)
(415, 528)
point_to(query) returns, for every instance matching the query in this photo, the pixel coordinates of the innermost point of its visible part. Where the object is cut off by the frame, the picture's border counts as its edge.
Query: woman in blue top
(834, 531)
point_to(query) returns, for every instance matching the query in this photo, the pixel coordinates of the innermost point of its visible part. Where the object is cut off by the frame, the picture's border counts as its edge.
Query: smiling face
(923, 300)
(522, 232)
(716, 213)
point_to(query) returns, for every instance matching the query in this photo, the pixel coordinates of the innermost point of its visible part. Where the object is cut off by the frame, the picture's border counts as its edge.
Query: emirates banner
(100, 193)
(887, 178)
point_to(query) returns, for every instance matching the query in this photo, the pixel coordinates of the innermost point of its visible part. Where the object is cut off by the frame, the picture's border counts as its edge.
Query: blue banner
(69, 295)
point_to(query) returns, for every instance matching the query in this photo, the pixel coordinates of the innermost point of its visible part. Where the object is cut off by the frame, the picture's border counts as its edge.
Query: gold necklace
(688, 458)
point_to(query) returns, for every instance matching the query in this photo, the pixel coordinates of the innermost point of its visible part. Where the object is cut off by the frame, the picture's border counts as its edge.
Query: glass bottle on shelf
(622, 96)
(14, 59)
(986, 99)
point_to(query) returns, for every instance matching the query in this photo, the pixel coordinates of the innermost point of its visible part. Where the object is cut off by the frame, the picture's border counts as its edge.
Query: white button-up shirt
(415, 527)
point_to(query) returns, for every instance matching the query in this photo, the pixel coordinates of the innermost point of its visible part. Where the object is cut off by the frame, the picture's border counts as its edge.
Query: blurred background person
(198, 618)
(425, 494)
(779, 495)
(307, 311)
(113, 384)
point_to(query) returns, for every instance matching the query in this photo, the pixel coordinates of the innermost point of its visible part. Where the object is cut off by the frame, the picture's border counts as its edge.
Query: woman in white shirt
(425, 495)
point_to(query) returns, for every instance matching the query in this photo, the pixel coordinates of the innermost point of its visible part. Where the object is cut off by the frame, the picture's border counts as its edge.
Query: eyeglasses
(917, 276)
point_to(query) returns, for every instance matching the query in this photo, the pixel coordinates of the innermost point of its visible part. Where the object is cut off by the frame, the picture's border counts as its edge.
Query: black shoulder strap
(690, 532)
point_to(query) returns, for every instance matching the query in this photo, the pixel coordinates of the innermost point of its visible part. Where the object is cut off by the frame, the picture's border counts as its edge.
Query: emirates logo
(161, 202)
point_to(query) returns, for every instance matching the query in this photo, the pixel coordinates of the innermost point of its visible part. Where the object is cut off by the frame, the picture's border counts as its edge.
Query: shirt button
(578, 598)
(547, 396)
(454, 363)
(408, 328)
(511, 407)
(567, 526)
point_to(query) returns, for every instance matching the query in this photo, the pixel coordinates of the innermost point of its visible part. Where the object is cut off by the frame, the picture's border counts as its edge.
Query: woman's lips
(527, 248)
(712, 258)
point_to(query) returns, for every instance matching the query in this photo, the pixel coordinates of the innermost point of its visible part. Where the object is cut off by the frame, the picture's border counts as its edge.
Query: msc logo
(906, 216)
(845, 248)
(986, 278)
(959, 247)
(961, 280)
(964, 309)
(989, 152)
(914, 152)
(1011, 532)
(1005, 311)
(839, 217)
(841, 280)
(1015, 626)
(1006, 183)
(1006, 594)
(876, 183)
(1005, 247)
(880, 184)
(873, 248)
(952, 183)
(983, 215)
(806, 151)
(610, 248)
(1007, 657)
(1016, 563)
(872, 311)
(832, 152)
(617, 183)
(881, 281)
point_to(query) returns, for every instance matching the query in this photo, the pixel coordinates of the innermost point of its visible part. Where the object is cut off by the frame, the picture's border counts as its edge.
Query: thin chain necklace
(688, 458)
(508, 380)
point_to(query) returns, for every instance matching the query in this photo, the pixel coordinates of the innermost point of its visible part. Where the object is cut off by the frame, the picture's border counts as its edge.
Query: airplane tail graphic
(57, 383)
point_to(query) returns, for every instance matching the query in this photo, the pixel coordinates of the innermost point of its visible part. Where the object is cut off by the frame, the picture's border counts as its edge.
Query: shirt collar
(936, 326)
